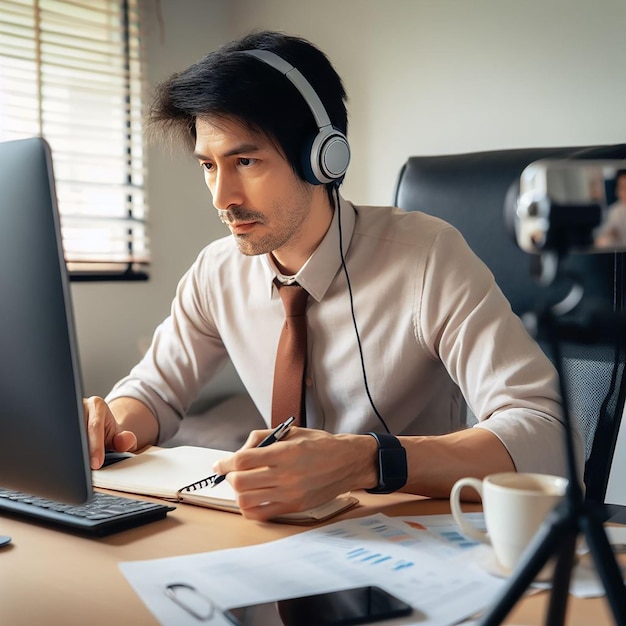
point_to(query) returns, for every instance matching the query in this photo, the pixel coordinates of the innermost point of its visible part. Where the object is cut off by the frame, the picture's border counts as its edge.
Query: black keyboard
(104, 514)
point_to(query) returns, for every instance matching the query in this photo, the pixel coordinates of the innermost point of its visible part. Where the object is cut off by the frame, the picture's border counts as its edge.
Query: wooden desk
(56, 578)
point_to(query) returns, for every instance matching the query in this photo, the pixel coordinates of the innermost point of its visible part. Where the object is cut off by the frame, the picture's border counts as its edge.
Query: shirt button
(308, 381)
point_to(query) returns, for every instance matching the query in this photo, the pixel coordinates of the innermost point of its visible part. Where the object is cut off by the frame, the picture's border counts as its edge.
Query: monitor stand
(4, 539)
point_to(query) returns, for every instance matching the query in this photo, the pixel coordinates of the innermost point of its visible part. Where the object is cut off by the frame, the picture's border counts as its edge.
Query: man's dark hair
(227, 84)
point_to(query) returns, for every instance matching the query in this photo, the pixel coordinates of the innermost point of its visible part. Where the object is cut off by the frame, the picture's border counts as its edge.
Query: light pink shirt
(431, 321)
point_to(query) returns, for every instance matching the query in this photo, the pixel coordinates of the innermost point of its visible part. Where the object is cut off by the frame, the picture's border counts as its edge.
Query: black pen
(276, 435)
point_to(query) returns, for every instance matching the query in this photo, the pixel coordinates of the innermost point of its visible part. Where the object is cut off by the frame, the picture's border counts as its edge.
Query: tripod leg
(561, 580)
(545, 544)
(608, 569)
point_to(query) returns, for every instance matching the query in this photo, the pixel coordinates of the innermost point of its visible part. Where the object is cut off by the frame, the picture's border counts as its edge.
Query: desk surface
(51, 577)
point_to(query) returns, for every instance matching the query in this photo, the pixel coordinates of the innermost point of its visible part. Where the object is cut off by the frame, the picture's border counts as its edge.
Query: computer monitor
(43, 443)
(615, 496)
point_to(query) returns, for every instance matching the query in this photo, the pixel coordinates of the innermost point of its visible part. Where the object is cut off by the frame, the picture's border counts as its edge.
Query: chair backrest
(469, 191)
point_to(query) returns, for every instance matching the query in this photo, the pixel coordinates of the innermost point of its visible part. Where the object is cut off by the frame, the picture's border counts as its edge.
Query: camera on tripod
(570, 206)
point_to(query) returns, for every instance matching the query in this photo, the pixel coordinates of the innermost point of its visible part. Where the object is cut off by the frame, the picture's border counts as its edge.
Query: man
(400, 313)
(613, 232)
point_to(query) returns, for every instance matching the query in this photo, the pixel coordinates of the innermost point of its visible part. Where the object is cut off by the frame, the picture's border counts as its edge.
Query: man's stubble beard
(290, 224)
(249, 245)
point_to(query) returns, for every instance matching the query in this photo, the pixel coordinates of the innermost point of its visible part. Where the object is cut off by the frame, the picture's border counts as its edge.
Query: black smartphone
(361, 605)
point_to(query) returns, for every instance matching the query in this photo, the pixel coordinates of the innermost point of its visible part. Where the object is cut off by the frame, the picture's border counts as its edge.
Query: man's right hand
(104, 432)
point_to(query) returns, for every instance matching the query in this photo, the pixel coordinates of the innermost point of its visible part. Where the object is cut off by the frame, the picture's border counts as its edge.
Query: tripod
(558, 533)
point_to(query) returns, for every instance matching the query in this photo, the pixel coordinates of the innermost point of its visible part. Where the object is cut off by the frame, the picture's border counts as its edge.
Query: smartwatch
(392, 467)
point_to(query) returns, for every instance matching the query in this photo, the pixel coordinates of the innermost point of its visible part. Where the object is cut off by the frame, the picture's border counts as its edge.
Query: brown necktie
(287, 396)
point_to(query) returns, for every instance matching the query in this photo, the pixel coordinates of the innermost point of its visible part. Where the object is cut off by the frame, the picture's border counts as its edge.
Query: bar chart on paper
(444, 528)
(376, 558)
(365, 555)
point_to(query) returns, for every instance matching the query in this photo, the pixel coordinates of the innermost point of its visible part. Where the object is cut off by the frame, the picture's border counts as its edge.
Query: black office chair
(469, 192)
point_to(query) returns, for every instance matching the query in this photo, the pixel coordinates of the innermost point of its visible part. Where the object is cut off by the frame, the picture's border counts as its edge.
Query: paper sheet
(584, 583)
(376, 550)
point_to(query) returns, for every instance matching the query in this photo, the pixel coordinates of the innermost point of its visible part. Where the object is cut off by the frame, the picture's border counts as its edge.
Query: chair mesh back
(594, 384)
(588, 371)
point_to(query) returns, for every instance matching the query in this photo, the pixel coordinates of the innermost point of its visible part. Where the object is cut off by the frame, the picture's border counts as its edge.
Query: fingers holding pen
(252, 455)
(264, 438)
(306, 469)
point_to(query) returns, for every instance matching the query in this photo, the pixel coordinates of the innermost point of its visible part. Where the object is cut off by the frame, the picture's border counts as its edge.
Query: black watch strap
(392, 466)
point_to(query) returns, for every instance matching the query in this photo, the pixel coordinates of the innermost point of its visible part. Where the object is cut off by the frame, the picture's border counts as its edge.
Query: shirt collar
(322, 266)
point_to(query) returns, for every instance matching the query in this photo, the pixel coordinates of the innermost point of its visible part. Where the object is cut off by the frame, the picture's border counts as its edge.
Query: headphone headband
(300, 82)
(328, 155)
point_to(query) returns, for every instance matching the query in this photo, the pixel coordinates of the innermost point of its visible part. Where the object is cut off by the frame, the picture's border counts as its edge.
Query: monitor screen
(43, 444)
(616, 487)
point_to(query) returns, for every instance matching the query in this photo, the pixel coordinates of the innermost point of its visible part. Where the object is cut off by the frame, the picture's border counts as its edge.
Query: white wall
(445, 76)
(423, 77)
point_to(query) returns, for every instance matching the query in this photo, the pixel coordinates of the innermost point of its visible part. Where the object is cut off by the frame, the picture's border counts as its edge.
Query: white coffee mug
(514, 505)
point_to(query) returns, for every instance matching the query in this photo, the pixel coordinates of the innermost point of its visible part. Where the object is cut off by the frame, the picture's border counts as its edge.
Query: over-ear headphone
(326, 158)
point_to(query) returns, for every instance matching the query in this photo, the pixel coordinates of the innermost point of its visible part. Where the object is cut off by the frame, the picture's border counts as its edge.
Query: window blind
(70, 71)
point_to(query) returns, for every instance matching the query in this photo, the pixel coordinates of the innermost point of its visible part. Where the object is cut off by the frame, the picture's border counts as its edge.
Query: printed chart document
(373, 550)
(180, 474)
(585, 582)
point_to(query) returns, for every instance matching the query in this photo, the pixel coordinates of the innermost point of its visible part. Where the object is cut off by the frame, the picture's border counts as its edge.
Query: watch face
(392, 465)
(393, 469)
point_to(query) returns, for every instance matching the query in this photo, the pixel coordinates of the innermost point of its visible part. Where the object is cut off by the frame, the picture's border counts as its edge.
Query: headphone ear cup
(327, 157)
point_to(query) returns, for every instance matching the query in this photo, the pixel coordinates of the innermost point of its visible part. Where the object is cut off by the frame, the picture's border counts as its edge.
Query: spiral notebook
(181, 474)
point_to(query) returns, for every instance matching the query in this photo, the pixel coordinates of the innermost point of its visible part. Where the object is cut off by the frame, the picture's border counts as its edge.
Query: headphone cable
(356, 329)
